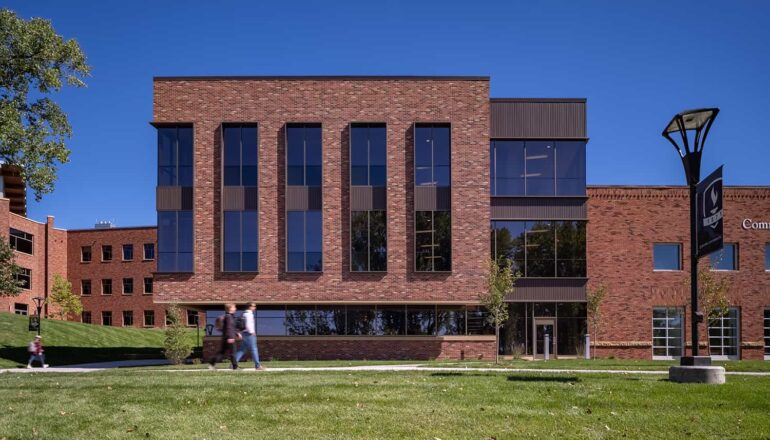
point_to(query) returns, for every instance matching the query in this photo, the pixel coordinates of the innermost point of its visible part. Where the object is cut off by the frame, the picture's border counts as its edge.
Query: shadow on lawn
(80, 355)
(522, 378)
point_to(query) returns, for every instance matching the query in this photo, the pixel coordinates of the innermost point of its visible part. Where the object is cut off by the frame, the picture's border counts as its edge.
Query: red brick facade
(625, 222)
(116, 270)
(207, 103)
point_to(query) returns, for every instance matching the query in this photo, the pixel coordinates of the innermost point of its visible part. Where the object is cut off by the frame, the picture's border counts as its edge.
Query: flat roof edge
(115, 228)
(503, 100)
(322, 77)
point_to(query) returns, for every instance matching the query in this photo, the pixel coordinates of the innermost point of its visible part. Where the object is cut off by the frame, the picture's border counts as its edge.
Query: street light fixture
(39, 300)
(697, 123)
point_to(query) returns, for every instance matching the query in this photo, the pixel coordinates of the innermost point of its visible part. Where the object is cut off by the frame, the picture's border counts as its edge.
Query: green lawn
(180, 405)
(599, 364)
(72, 342)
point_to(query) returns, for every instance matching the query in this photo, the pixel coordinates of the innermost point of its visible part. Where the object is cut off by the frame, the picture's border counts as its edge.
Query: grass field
(179, 405)
(73, 342)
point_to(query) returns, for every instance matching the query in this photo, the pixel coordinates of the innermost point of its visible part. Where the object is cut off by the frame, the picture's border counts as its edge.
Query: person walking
(249, 335)
(36, 352)
(227, 342)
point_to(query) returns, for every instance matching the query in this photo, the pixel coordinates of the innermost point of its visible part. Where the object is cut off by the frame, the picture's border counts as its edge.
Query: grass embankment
(136, 404)
(72, 342)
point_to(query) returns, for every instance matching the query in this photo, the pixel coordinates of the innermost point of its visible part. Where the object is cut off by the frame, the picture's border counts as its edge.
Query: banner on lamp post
(710, 218)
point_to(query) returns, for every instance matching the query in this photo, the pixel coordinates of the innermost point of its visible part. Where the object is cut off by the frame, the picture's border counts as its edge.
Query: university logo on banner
(710, 218)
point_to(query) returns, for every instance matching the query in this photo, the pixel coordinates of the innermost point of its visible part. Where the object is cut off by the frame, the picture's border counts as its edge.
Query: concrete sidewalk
(87, 368)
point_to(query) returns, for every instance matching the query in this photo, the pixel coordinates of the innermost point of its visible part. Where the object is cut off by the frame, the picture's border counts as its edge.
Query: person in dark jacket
(227, 344)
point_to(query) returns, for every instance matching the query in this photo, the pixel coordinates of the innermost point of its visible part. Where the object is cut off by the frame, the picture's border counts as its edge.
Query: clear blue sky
(638, 63)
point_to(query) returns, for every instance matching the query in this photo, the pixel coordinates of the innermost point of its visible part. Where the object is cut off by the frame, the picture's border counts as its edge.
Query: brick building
(359, 213)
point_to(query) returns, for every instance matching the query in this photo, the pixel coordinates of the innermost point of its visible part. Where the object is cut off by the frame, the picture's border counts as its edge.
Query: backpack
(240, 323)
(31, 347)
(220, 322)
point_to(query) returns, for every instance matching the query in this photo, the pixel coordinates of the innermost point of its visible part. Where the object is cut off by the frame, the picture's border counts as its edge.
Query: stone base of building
(367, 348)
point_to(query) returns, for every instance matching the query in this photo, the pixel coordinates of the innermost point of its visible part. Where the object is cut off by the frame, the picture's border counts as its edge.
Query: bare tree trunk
(497, 344)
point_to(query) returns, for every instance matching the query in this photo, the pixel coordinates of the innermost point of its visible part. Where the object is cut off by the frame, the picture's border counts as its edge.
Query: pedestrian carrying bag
(240, 323)
(31, 347)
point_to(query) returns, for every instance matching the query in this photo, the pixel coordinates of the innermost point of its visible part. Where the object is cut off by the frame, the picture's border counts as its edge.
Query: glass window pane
(441, 146)
(250, 234)
(450, 320)
(725, 259)
(249, 175)
(330, 320)
(295, 155)
(185, 146)
(420, 320)
(390, 320)
(570, 168)
(167, 228)
(423, 156)
(167, 176)
(360, 320)
(232, 231)
(270, 321)
(295, 231)
(424, 240)
(539, 168)
(666, 257)
(442, 256)
(377, 145)
(249, 146)
(314, 230)
(167, 146)
(300, 321)
(185, 176)
(359, 175)
(540, 247)
(185, 231)
(508, 168)
(767, 257)
(509, 242)
(359, 155)
(571, 249)
(232, 262)
(359, 241)
(232, 150)
(378, 247)
(232, 176)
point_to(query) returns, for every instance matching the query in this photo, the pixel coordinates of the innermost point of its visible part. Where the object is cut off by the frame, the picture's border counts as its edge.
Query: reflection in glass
(433, 241)
(432, 154)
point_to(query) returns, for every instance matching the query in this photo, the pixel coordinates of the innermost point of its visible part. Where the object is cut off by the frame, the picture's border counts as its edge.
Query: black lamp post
(39, 305)
(697, 123)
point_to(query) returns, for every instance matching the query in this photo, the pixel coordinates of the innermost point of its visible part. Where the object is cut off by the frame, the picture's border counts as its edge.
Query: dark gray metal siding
(431, 198)
(548, 290)
(367, 198)
(303, 198)
(532, 119)
(538, 208)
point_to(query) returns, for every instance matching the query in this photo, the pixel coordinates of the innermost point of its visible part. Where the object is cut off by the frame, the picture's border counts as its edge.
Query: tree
(594, 300)
(33, 129)
(62, 297)
(177, 345)
(9, 271)
(500, 282)
(713, 298)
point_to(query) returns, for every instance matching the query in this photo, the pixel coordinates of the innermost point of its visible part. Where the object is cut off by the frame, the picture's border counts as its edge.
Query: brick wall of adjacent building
(48, 258)
(623, 225)
(290, 348)
(116, 270)
(272, 103)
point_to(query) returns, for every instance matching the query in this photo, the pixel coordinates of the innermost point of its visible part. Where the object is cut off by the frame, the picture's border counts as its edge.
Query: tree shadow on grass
(563, 379)
(80, 355)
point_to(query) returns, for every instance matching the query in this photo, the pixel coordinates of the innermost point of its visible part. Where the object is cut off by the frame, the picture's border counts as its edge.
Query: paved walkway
(88, 368)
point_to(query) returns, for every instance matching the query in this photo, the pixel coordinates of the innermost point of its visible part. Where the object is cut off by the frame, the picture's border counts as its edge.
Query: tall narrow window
(304, 242)
(368, 232)
(304, 231)
(175, 169)
(368, 228)
(175, 241)
(667, 332)
(723, 335)
(85, 254)
(433, 241)
(433, 228)
(240, 225)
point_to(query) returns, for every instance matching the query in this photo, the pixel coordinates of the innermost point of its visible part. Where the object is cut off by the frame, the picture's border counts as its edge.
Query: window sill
(126, 294)
(127, 261)
(85, 262)
(723, 270)
(106, 294)
(147, 294)
(106, 261)
(23, 253)
(147, 260)
(668, 270)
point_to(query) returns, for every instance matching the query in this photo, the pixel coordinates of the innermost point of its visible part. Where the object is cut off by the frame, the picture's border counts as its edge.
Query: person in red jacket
(36, 352)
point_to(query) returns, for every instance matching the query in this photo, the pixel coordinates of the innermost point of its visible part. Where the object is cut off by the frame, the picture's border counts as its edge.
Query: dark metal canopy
(698, 121)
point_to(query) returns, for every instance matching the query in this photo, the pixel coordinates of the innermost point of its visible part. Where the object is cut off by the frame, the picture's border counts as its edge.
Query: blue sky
(637, 63)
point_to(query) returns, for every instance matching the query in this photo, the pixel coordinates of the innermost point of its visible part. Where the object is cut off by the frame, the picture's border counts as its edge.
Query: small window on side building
(128, 252)
(667, 256)
(85, 254)
(106, 252)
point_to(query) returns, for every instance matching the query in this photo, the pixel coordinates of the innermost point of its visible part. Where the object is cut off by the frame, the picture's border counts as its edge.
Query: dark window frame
(151, 315)
(106, 282)
(24, 278)
(367, 125)
(130, 248)
(107, 315)
(86, 317)
(240, 126)
(241, 252)
(304, 242)
(106, 253)
(144, 251)
(130, 315)
(151, 284)
(177, 166)
(19, 241)
(86, 251)
(130, 284)
(304, 126)
(83, 284)
(368, 269)
(176, 253)
(433, 165)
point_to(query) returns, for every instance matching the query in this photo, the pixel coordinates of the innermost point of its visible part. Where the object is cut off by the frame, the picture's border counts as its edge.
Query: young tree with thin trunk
(62, 297)
(9, 271)
(594, 300)
(500, 282)
(713, 298)
(178, 345)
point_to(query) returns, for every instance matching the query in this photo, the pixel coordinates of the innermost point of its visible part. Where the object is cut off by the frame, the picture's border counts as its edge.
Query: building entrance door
(541, 328)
